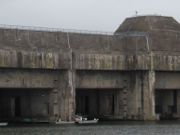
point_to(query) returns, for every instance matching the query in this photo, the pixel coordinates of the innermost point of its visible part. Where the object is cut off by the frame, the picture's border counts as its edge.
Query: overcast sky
(100, 15)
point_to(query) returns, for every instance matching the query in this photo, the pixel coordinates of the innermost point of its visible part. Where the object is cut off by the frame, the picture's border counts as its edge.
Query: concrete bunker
(24, 105)
(139, 58)
(99, 103)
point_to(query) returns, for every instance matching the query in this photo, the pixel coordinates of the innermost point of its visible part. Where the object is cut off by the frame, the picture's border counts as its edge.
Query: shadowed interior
(24, 104)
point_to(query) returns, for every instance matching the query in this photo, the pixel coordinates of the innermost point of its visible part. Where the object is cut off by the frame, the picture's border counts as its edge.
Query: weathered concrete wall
(149, 95)
(166, 62)
(101, 79)
(167, 80)
(65, 95)
(34, 59)
(123, 51)
(150, 61)
(51, 50)
(112, 62)
(15, 78)
(121, 97)
(14, 39)
(165, 40)
(134, 99)
(32, 40)
(139, 100)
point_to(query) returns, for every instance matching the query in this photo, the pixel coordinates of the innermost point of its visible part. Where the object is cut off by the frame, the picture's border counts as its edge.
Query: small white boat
(81, 120)
(88, 121)
(3, 124)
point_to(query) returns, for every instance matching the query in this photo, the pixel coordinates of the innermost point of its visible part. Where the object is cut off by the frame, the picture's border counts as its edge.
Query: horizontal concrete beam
(111, 62)
(42, 60)
(29, 78)
(149, 61)
(89, 61)
(101, 79)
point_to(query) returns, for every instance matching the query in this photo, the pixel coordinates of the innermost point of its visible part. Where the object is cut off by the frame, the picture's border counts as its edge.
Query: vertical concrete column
(66, 96)
(71, 94)
(67, 92)
(124, 102)
(134, 101)
(53, 105)
(178, 103)
(149, 95)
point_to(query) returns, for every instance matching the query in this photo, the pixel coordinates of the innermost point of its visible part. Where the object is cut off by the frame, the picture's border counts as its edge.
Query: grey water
(102, 128)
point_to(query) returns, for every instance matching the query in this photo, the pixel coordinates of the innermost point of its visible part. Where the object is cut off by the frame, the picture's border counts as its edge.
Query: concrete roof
(163, 32)
(149, 23)
(136, 34)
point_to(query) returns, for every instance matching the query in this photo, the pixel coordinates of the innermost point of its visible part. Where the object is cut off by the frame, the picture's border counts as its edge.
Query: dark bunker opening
(97, 103)
(166, 104)
(24, 105)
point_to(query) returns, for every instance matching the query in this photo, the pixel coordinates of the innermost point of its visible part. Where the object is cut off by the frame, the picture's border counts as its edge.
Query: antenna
(136, 13)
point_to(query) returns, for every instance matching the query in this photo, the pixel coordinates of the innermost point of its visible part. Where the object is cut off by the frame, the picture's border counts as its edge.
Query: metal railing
(34, 28)
(47, 29)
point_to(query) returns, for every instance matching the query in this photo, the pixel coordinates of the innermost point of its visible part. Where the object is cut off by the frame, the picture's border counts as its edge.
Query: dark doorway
(99, 103)
(19, 104)
(17, 107)
(113, 103)
(166, 103)
(86, 105)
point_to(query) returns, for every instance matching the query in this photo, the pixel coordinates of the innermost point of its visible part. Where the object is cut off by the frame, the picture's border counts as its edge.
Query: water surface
(106, 128)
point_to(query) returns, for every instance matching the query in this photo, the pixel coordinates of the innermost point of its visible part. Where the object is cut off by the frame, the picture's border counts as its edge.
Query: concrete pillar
(53, 105)
(134, 98)
(71, 95)
(141, 96)
(124, 102)
(67, 96)
(178, 103)
(149, 95)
